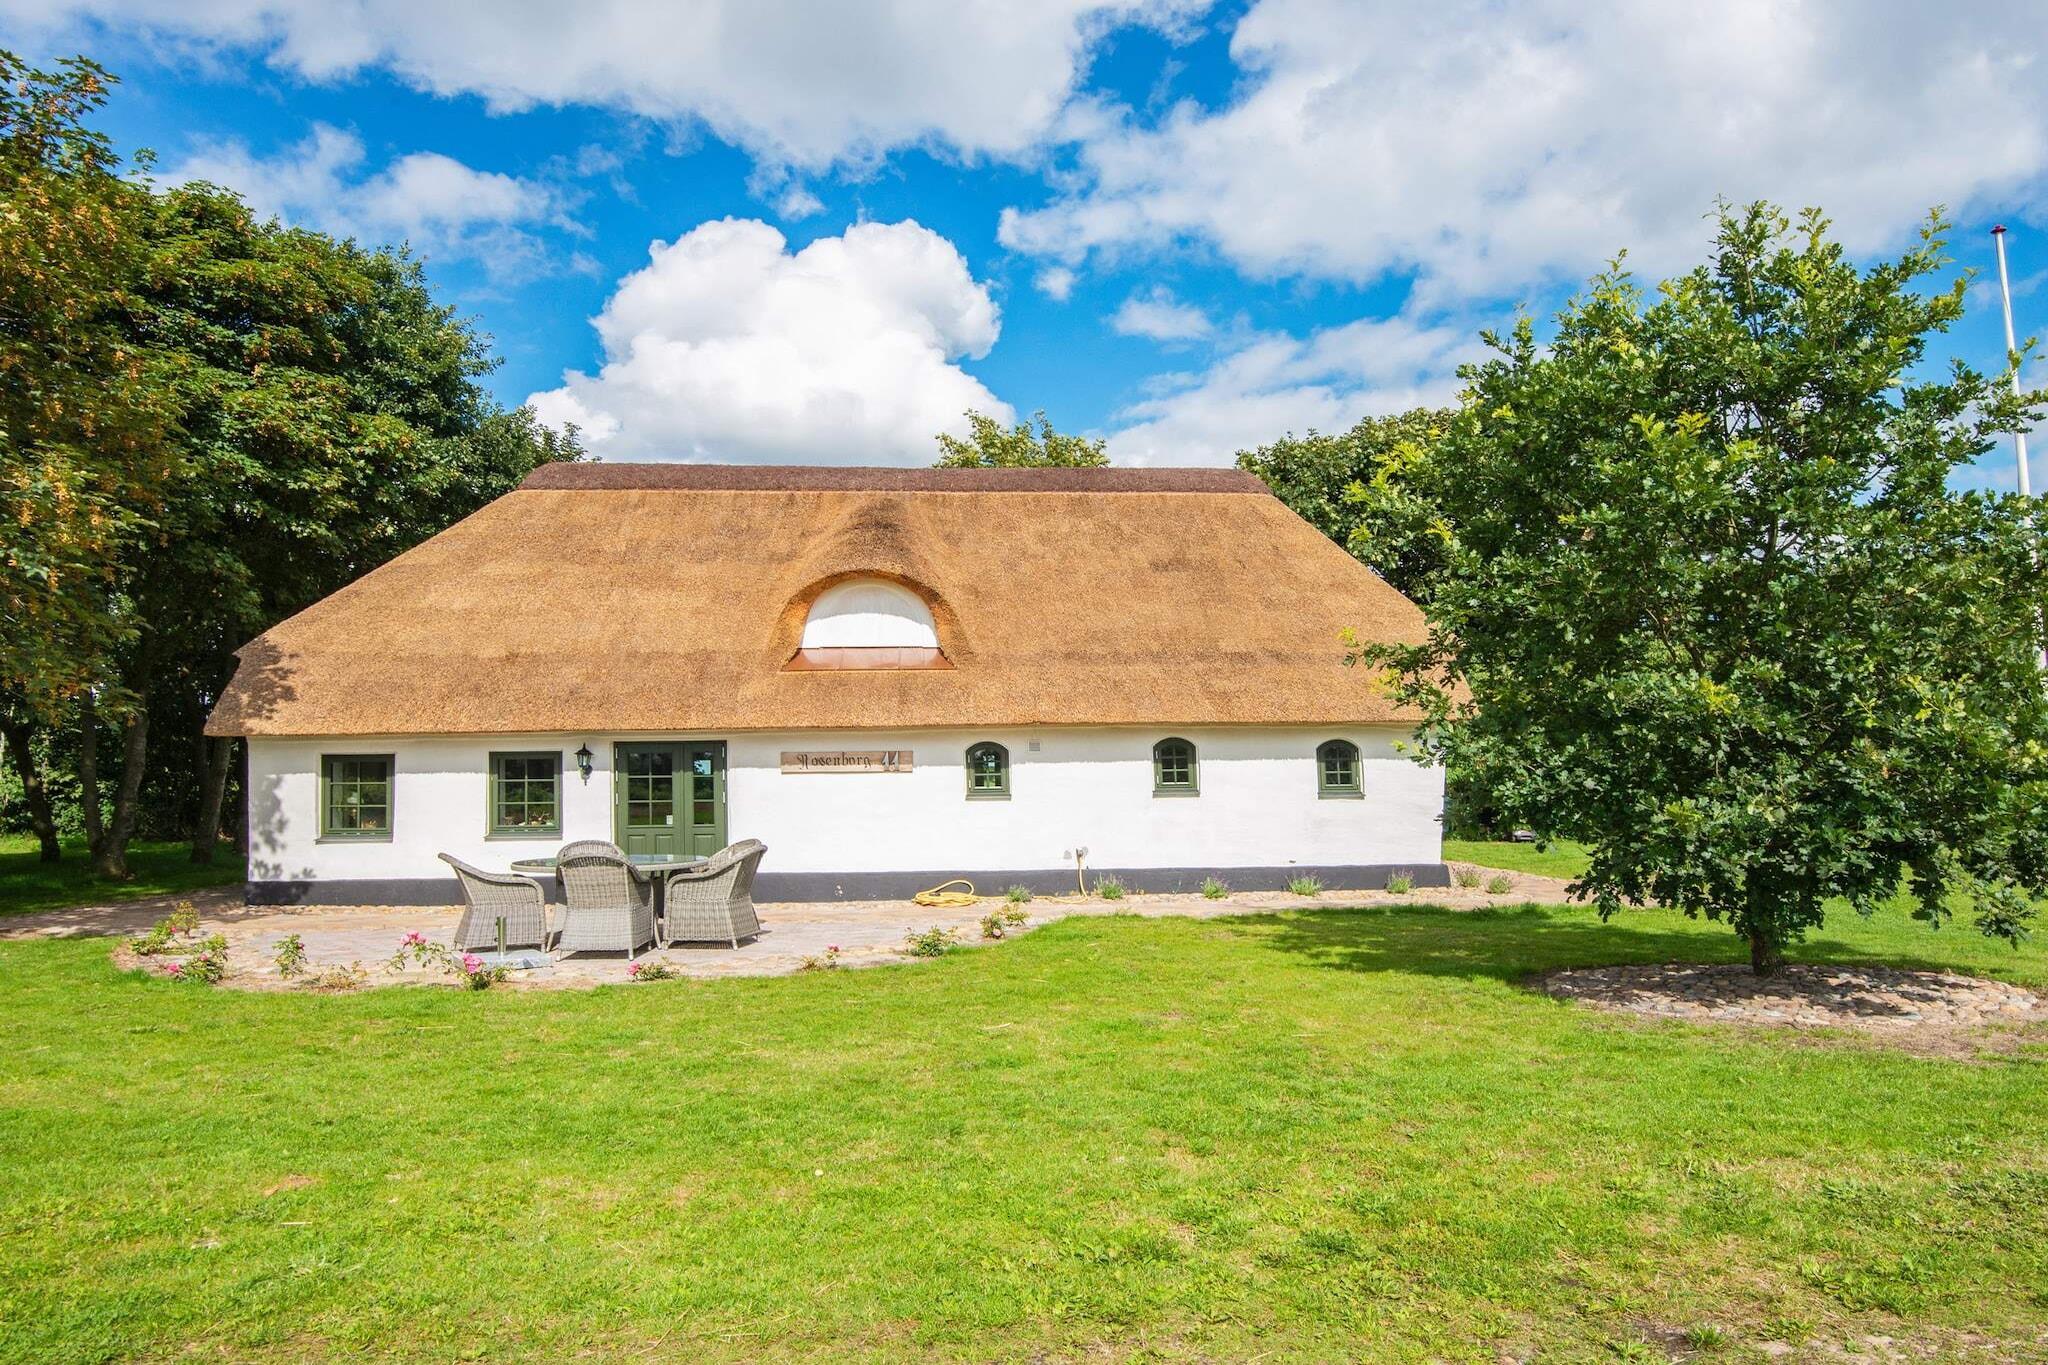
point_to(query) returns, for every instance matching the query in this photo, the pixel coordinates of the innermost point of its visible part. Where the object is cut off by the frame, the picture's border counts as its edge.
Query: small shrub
(1014, 915)
(1305, 886)
(1213, 889)
(1467, 877)
(415, 950)
(470, 971)
(1018, 895)
(821, 964)
(933, 942)
(290, 956)
(652, 969)
(353, 977)
(1110, 888)
(207, 965)
(992, 925)
(1401, 883)
(182, 922)
(1500, 884)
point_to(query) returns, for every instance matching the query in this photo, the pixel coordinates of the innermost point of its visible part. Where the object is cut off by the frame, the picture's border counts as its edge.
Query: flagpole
(2011, 349)
(2019, 438)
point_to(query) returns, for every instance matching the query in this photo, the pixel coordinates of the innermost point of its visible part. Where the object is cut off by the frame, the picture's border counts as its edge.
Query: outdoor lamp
(583, 762)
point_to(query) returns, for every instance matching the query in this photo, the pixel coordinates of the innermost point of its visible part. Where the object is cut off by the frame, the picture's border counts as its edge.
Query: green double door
(670, 798)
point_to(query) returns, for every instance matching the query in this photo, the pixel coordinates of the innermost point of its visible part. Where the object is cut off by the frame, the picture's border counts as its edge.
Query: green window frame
(357, 797)
(1175, 768)
(1337, 770)
(525, 796)
(988, 772)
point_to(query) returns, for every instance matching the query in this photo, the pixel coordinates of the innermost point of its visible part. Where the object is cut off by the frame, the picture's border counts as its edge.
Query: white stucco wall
(1258, 804)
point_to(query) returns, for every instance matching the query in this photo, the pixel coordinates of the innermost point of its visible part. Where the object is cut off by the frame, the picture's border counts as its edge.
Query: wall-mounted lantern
(583, 757)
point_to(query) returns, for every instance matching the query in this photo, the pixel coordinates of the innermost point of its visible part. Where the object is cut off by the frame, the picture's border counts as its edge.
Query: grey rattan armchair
(714, 900)
(488, 897)
(611, 908)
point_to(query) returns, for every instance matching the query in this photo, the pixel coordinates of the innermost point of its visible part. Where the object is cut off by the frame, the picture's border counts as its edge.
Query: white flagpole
(2005, 293)
(2019, 438)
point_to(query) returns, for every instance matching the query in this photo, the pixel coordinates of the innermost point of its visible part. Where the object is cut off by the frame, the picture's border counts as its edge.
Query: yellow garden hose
(940, 896)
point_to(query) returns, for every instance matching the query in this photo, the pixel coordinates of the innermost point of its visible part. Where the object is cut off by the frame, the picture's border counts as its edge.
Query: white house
(890, 677)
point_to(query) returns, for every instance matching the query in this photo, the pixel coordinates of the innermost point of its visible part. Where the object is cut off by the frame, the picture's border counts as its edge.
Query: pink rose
(471, 962)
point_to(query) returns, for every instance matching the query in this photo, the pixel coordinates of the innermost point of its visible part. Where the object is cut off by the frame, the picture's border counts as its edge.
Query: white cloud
(1056, 282)
(805, 82)
(798, 202)
(1160, 316)
(1274, 384)
(1491, 148)
(443, 207)
(727, 346)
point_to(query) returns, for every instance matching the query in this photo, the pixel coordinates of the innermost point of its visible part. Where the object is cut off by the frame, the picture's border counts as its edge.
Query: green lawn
(1336, 1134)
(27, 884)
(1561, 859)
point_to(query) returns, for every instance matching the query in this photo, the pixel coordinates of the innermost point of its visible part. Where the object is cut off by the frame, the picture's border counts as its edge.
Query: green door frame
(686, 792)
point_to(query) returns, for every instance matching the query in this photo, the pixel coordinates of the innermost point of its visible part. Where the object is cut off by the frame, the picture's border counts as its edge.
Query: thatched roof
(617, 597)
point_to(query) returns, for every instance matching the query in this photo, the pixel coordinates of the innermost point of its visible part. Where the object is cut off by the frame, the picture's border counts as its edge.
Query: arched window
(1337, 769)
(1173, 768)
(868, 623)
(988, 772)
(869, 613)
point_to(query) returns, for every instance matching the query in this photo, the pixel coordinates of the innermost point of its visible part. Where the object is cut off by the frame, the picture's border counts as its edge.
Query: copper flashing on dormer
(847, 658)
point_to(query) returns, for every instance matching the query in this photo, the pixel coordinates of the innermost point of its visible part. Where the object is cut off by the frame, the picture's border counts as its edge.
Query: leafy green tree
(992, 446)
(330, 417)
(1710, 605)
(207, 422)
(1351, 487)
(84, 415)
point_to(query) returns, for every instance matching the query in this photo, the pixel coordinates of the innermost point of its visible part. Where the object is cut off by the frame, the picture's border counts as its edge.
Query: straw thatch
(620, 598)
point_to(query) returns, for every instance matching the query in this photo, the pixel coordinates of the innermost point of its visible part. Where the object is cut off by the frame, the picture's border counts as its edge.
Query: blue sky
(1187, 228)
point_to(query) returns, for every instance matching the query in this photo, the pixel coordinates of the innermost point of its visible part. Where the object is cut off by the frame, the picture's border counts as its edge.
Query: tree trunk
(220, 755)
(111, 859)
(1766, 953)
(33, 793)
(89, 809)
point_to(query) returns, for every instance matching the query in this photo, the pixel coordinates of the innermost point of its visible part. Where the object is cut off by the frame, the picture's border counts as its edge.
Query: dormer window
(868, 623)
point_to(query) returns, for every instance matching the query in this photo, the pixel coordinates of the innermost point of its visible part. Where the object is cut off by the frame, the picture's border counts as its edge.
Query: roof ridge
(591, 475)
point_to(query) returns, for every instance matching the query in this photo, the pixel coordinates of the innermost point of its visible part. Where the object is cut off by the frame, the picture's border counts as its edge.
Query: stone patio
(867, 933)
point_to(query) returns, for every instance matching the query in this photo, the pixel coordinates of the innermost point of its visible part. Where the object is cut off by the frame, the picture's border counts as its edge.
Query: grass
(28, 885)
(1336, 1133)
(1561, 859)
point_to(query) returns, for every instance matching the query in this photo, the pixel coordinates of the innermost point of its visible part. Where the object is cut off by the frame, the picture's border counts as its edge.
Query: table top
(642, 862)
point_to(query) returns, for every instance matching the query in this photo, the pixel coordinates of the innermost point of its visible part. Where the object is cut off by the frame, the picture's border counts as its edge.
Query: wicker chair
(488, 897)
(715, 899)
(611, 908)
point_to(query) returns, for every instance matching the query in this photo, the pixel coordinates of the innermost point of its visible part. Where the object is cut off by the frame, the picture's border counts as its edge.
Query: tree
(84, 418)
(1351, 487)
(207, 422)
(329, 418)
(1710, 605)
(992, 447)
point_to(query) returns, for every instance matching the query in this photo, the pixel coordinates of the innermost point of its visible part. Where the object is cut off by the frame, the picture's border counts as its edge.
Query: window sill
(1175, 791)
(988, 796)
(524, 837)
(1341, 796)
(353, 839)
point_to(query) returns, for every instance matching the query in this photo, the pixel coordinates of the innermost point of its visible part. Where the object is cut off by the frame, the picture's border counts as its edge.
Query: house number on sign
(866, 761)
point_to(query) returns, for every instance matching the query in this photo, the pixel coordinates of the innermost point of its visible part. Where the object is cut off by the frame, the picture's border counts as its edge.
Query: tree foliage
(1352, 487)
(84, 413)
(231, 419)
(1028, 445)
(1710, 605)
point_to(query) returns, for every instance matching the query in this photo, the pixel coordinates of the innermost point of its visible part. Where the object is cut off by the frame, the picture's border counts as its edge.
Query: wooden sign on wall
(844, 761)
